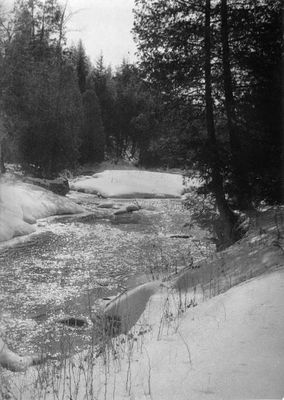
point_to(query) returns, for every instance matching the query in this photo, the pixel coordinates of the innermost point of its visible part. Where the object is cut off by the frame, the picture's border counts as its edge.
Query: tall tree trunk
(2, 165)
(228, 218)
(239, 168)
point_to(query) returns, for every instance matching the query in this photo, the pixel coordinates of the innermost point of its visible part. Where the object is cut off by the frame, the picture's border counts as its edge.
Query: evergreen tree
(239, 167)
(100, 80)
(227, 216)
(82, 67)
(177, 51)
(93, 138)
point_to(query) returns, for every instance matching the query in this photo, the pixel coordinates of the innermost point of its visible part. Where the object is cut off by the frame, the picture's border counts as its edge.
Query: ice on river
(133, 183)
(21, 204)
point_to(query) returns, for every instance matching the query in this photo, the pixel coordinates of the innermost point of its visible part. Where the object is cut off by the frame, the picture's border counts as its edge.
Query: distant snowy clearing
(22, 204)
(133, 183)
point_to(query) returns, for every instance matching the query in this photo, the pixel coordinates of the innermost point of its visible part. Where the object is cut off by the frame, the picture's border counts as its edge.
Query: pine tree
(239, 167)
(227, 216)
(100, 80)
(93, 137)
(177, 51)
(81, 66)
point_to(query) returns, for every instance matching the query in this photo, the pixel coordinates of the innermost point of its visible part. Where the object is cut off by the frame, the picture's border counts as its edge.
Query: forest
(203, 96)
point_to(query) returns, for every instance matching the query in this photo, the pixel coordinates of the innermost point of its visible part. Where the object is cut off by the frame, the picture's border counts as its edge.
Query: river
(71, 263)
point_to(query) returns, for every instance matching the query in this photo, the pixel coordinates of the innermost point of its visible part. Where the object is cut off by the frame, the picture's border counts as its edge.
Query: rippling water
(71, 263)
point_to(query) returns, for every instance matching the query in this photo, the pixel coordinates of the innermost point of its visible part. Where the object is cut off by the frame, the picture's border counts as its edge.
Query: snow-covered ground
(22, 204)
(133, 183)
(228, 347)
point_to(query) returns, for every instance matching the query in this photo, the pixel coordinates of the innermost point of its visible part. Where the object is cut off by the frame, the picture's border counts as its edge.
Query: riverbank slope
(188, 344)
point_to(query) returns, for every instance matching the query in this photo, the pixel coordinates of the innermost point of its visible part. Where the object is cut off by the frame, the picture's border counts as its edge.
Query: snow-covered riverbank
(228, 347)
(22, 204)
(181, 346)
(184, 345)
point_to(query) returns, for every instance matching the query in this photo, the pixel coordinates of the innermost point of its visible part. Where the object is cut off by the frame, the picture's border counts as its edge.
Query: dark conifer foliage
(93, 137)
(256, 43)
(245, 59)
(100, 80)
(82, 67)
(40, 96)
(220, 61)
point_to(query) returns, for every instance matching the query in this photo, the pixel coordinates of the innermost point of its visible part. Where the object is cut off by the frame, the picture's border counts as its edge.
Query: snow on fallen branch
(122, 313)
(16, 363)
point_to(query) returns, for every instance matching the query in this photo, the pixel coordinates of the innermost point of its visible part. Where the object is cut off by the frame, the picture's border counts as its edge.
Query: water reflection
(74, 262)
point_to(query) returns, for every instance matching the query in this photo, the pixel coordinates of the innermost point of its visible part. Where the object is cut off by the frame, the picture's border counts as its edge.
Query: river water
(71, 263)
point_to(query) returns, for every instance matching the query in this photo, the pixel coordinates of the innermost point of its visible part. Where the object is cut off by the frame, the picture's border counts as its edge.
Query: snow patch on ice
(133, 183)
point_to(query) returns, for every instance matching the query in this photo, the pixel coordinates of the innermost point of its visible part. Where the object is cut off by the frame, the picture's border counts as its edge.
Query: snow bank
(132, 183)
(22, 204)
(229, 347)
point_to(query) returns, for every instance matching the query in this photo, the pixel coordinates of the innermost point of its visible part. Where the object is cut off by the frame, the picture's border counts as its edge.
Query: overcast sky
(104, 26)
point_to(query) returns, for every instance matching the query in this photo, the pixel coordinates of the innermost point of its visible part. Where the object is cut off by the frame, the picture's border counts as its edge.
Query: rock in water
(179, 236)
(122, 210)
(106, 205)
(122, 313)
(127, 209)
(132, 207)
(74, 322)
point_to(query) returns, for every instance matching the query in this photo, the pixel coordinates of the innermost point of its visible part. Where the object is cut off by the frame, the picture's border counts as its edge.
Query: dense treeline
(57, 109)
(206, 94)
(41, 105)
